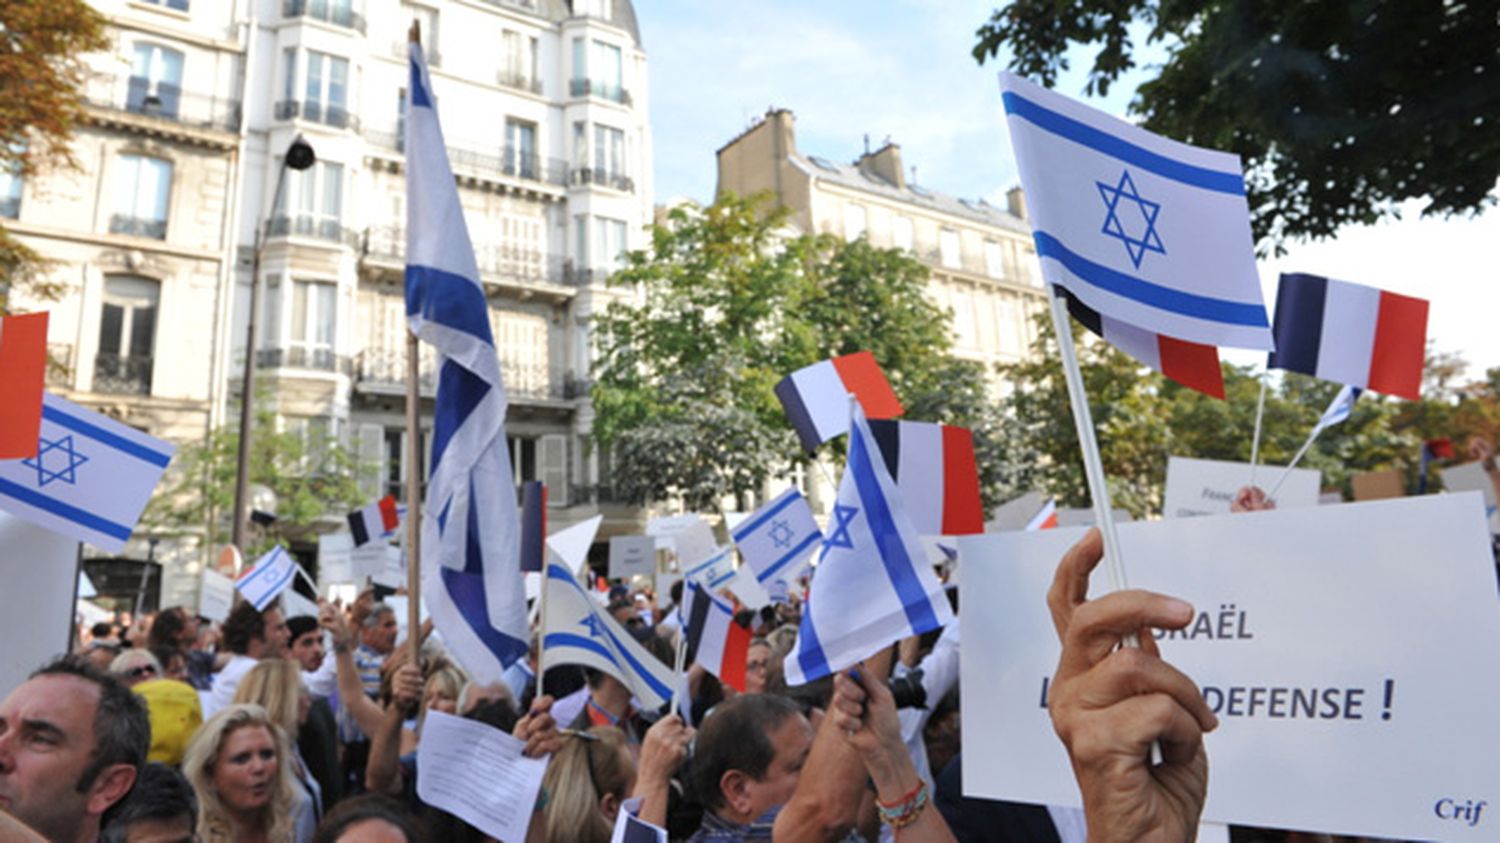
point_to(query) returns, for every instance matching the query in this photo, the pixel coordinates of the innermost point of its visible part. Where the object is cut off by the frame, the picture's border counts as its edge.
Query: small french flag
(1194, 365)
(376, 520)
(816, 397)
(1045, 518)
(1350, 334)
(714, 640)
(936, 474)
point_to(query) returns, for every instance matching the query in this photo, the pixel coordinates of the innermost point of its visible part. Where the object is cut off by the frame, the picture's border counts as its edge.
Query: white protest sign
(40, 572)
(631, 556)
(477, 773)
(689, 536)
(399, 604)
(215, 596)
(572, 545)
(1352, 654)
(335, 559)
(86, 587)
(1014, 514)
(748, 589)
(1207, 487)
(373, 560)
(1084, 516)
(1471, 477)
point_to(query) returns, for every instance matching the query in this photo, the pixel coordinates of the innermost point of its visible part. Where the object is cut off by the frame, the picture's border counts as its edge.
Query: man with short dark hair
(71, 742)
(250, 636)
(747, 759)
(318, 737)
(161, 809)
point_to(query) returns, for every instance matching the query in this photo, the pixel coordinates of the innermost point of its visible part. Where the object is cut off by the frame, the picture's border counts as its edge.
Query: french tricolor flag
(714, 640)
(1194, 365)
(816, 398)
(936, 474)
(1350, 334)
(374, 521)
(1045, 518)
(23, 370)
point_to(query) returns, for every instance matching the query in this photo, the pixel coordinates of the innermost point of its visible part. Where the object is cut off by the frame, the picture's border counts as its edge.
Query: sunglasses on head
(143, 670)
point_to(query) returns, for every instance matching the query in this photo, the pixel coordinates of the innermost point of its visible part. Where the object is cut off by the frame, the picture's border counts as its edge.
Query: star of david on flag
(873, 584)
(576, 630)
(91, 476)
(1169, 250)
(777, 541)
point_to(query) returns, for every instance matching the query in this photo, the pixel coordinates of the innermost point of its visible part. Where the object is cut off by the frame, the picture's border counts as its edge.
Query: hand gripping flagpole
(413, 534)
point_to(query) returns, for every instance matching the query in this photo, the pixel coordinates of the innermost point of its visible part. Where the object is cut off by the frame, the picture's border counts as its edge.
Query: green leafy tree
(41, 45)
(1339, 110)
(724, 304)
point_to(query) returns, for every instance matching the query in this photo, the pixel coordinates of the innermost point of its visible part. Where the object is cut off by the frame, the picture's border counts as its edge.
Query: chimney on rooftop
(1015, 202)
(884, 162)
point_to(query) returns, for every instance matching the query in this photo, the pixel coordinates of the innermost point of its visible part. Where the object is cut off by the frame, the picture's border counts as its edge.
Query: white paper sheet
(1207, 487)
(477, 773)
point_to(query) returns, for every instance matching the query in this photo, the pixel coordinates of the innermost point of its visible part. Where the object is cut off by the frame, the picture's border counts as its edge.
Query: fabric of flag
(630, 828)
(715, 572)
(1338, 409)
(1194, 365)
(471, 573)
(23, 371)
(816, 397)
(1438, 449)
(934, 469)
(378, 519)
(777, 541)
(873, 584)
(1146, 230)
(91, 476)
(263, 583)
(1045, 518)
(533, 525)
(714, 640)
(577, 630)
(1350, 333)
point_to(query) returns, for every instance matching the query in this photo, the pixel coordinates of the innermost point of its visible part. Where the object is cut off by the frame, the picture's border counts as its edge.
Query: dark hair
(737, 736)
(160, 793)
(122, 728)
(244, 624)
(301, 625)
(166, 629)
(165, 655)
(102, 630)
(676, 592)
(368, 806)
(497, 713)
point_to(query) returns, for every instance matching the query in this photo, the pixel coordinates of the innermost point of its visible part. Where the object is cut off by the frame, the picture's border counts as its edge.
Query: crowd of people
(273, 728)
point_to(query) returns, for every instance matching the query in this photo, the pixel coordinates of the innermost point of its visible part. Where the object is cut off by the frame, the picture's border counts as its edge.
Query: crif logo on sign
(1466, 811)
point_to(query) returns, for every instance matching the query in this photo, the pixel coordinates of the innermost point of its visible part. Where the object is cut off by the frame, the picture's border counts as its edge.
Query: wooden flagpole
(413, 534)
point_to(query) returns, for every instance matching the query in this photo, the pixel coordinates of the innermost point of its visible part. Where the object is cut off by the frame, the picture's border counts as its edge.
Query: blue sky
(902, 68)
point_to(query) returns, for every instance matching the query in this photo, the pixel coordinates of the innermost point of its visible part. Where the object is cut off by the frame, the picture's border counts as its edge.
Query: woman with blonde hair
(237, 764)
(276, 685)
(584, 785)
(441, 690)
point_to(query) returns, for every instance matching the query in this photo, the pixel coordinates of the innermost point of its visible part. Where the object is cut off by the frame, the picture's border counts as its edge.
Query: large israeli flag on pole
(873, 584)
(1145, 230)
(471, 574)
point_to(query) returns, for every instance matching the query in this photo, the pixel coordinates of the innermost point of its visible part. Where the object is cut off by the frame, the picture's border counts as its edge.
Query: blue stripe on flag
(419, 94)
(557, 572)
(887, 537)
(448, 299)
(64, 511)
(1147, 293)
(1298, 329)
(1107, 144)
(263, 568)
(568, 639)
(776, 566)
(113, 440)
(749, 527)
(797, 414)
(810, 655)
(459, 392)
(269, 595)
(466, 590)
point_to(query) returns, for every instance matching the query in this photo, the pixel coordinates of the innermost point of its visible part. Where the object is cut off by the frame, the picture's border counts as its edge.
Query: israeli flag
(271, 575)
(90, 479)
(1145, 230)
(577, 630)
(873, 585)
(471, 575)
(777, 540)
(1338, 409)
(714, 572)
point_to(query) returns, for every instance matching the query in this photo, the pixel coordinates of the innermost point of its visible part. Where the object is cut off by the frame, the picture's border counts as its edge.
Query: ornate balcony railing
(387, 368)
(509, 161)
(600, 88)
(519, 81)
(139, 95)
(118, 374)
(326, 11)
(329, 114)
(321, 229)
(497, 261)
(603, 178)
(138, 226)
(302, 357)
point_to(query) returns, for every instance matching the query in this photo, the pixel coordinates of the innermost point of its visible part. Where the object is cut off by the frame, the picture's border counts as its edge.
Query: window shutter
(554, 467)
(371, 456)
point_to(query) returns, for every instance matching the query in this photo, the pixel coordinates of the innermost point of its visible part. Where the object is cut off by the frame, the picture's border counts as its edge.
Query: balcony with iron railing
(508, 162)
(137, 226)
(519, 81)
(140, 96)
(60, 365)
(303, 357)
(315, 228)
(326, 11)
(401, 50)
(600, 177)
(612, 91)
(524, 5)
(383, 371)
(499, 263)
(329, 114)
(122, 375)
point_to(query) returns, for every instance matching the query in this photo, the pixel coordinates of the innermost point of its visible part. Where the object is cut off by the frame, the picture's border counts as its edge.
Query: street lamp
(299, 156)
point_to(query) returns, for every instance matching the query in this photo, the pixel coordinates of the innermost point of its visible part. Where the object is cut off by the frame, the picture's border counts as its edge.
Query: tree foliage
(725, 303)
(1340, 110)
(41, 71)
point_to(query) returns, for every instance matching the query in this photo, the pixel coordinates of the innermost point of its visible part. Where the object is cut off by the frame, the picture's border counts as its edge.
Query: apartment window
(522, 457)
(394, 442)
(994, 259)
(520, 148)
(901, 233)
(519, 55)
(948, 246)
(854, 221)
(127, 335)
(962, 302)
(427, 18)
(580, 144)
(316, 198)
(609, 242)
(339, 12)
(609, 153)
(581, 246)
(593, 8)
(580, 61)
(179, 5)
(522, 343)
(314, 304)
(326, 89)
(10, 189)
(142, 186)
(155, 80)
(1008, 317)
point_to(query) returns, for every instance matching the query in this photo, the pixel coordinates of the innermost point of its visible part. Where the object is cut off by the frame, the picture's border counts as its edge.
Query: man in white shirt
(249, 636)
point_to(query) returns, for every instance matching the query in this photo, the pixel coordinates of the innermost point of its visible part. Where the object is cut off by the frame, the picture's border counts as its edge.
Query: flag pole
(1296, 459)
(1093, 465)
(413, 535)
(1260, 411)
